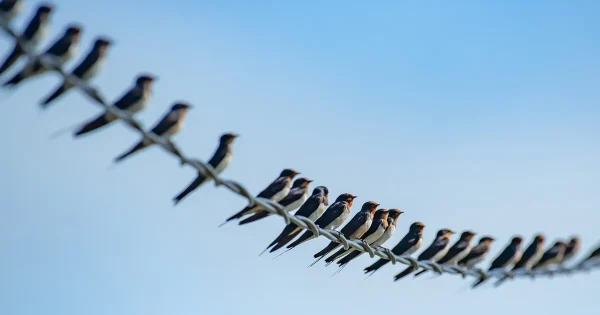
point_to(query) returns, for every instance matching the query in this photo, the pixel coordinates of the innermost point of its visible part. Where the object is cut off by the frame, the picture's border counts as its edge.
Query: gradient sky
(477, 115)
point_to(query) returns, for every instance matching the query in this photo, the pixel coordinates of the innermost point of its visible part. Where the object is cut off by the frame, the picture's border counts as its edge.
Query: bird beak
(309, 181)
(236, 135)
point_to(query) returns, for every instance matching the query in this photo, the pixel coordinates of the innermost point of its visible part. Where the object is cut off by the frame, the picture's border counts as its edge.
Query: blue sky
(468, 115)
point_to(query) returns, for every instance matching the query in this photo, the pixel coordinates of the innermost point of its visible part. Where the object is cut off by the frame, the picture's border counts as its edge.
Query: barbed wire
(273, 207)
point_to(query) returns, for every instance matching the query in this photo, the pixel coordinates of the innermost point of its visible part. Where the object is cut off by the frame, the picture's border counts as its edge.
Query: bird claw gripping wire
(342, 239)
(368, 248)
(459, 270)
(390, 255)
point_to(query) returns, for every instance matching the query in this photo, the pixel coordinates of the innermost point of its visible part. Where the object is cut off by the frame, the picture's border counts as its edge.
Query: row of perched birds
(370, 225)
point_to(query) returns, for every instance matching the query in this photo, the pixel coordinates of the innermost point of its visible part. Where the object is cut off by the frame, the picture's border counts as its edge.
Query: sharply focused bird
(292, 201)
(510, 254)
(457, 252)
(85, 70)
(409, 244)
(478, 253)
(132, 102)
(276, 191)
(219, 161)
(434, 252)
(170, 124)
(62, 50)
(530, 257)
(552, 256)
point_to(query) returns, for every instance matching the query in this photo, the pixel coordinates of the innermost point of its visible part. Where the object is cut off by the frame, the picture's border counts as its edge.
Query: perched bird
(530, 257)
(294, 199)
(312, 209)
(508, 256)
(478, 253)
(358, 225)
(33, 34)
(9, 9)
(553, 255)
(391, 227)
(132, 102)
(457, 252)
(378, 227)
(62, 50)
(85, 70)
(572, 249)
(219, 161)
(166, 128)
(333, 217)
(409, 244)
(593, 256)
(434, 252)
(276, 191)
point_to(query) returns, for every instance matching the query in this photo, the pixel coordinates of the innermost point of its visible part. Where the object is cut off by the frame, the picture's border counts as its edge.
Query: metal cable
(274, 207)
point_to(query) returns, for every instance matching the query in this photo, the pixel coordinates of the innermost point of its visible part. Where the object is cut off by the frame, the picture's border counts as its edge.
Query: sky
(476, 115)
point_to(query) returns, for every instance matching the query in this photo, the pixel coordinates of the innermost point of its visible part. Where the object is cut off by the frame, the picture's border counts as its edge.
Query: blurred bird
(170, 124)
(85, 70)
(409, 244)
(294, 199)
(276, 191)
(62, 50)
(312, 209)
(510, 254)
(434, 252)
(530, 257)
(219, 161)
(552, 256)
(457, 252)
(572, 249)
(9, 9)
(594, 256)
(478, 253)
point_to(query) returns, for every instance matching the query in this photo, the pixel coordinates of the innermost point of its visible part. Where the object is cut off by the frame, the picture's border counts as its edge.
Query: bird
(276, 191)
(530, 257)
(85, 70)
(392, 220)
(33, 34)
(553, 255)
(62, 50)
(409, 244)
(378, 227)
(312, 209)
(331, 219)
(357, 227)
(9, 9)
(134, 100)
(478, 253)
(170, 124)
(593, 256)
(457, 252)
(509, 255)
(219, 161)
(572, 249)
(292, 201)
(434, 252)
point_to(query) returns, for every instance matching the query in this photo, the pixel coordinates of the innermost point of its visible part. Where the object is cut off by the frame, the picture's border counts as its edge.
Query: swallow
(9, 9)
(294, 199)
(331, 219)
(33, 34)
(312, 209)
(409, 244)
(572, 249)
(457, 252)
(357, 227)
(434, 252)
(374, 232)
(276, 191)
(392, 220)
(478, 253)
(219, 161)
(170, 124)
(530, 257)
(553, 255)
(509, 255)
(132, 102)
(62, 50)
(85, 70)
(593, 256)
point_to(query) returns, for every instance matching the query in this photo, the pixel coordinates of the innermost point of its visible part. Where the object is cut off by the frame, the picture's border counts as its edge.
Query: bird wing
(293, 195)
(357, 221)
(454, 250)
(60, 47)
(529, 252)
(86, 64)
(274, 187)
(502, 260)
(332, 213)
(477, 251)
(310, 206)
(130, 98)
(434, 248)
(168, 121)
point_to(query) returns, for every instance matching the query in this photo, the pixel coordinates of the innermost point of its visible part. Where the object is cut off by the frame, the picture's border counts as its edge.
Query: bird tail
(15, 80)
(335, 255)
(195, 184)
(349, 257)
(284, 240)
(136, 148)
(100, 121)
(240, 214)
(375, 266)
(420, 273)
(255, 217)
(62, 89)
(480, 281)
(327, 249)
(305, 237)
(500, 281)
(11, 59)
(404, 273)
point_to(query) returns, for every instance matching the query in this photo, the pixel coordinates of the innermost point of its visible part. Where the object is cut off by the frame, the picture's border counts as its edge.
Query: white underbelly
(458, 257)
(440, 254)
(281, 194)
(385, 236)
(296, 204)
(338, 221)
(376, 235)
(317, 213)
(223, 164)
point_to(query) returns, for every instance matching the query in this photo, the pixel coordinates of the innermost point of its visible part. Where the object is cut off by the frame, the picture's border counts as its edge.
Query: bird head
(302, 182)
(370, 206)
(395, 213)
(517, 240)
(486, 239)
(181, 107)
(73, 31)
(381, 214)
(102, 43)
(145, 80)
(228, 137)
(467, 235)
(44, 10)
(445, 233)
(289, 172)
(417, 227)
(539, 238)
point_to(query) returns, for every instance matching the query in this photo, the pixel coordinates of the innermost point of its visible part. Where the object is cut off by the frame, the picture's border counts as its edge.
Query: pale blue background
(465, 114)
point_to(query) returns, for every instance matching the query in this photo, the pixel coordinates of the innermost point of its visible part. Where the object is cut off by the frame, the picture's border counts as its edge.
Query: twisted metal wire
(275, 208)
